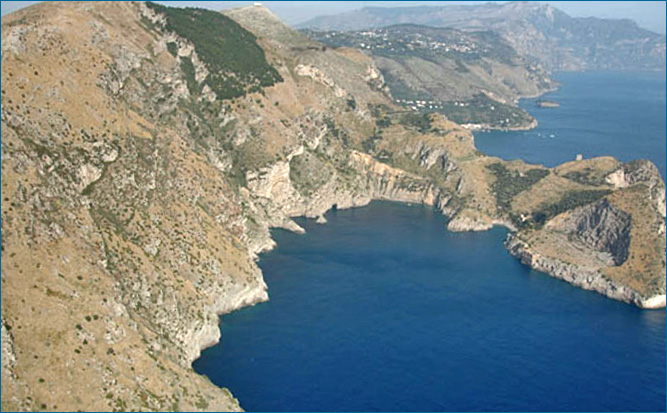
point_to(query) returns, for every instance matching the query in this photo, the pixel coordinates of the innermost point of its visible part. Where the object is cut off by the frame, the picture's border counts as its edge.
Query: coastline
(147, 222)
(525, 127)
(587, 279)
(577, 277)
(486, 127)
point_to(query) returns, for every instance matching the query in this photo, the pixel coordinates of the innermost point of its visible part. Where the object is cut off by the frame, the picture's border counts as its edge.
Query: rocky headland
(475, 78)
(144, 161)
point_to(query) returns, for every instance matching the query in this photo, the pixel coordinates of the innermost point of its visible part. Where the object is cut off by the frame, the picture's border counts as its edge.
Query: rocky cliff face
(602, 245)
(605, 228)
(138, 189)
(582, 277)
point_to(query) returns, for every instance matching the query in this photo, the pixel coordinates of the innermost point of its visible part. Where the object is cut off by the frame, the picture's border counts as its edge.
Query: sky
(648, 14)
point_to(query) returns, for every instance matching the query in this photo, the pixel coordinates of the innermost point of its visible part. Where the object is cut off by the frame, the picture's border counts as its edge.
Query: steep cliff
(614, 245)
(144, 160)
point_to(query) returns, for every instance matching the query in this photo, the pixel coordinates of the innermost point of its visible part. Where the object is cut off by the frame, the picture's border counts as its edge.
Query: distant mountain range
(148, 151)
(557, 40)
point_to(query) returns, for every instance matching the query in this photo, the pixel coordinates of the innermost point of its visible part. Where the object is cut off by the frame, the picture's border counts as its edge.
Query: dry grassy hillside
(143, 163)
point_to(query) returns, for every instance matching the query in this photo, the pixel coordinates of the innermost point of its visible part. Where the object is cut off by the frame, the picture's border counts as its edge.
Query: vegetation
(172, 48)
(510, 183)
(483, 110)
(383, 122)
(586, 176)
(419, 121)
(569, 201)
(416, 61)
(369, 144)
(189, 72)
(410, 40)
(309, 172)
(236, 63)
(336, 132)
(401, 90)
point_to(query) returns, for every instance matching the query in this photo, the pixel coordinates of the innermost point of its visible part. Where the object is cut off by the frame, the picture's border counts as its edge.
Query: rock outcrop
(138, 192)
(582, 277)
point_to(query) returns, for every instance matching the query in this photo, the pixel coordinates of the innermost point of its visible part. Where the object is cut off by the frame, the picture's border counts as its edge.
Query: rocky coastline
(487, 127)
(138, 200)
(585, 278)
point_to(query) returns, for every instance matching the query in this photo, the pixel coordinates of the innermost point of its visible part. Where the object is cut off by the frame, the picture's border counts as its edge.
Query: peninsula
(147, 152)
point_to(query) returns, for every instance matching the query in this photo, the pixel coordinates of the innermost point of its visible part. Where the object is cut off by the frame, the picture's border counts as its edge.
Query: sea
(621, 114)
(383, 309)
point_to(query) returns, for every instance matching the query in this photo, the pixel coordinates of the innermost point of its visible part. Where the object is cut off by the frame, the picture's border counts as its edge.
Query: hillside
(144, 164)
(474, 78)
(557, 40)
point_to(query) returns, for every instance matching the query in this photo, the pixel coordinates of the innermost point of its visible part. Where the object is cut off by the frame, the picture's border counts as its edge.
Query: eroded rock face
(582, 277)
(466, 224)
(318, 76)
(641, 172)
(607, 229)
(429, 157)
(600, 226)
(8, 354)
(135, 208)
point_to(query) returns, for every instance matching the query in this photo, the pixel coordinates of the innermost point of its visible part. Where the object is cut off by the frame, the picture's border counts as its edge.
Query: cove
(382, 309)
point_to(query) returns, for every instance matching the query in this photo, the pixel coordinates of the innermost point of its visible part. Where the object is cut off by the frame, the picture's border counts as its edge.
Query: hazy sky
(648, 14)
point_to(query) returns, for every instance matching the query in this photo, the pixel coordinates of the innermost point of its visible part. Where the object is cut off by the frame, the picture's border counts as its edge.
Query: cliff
(144, 160)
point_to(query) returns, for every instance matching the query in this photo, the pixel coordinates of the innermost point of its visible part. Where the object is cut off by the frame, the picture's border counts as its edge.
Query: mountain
(555, 39)
(474, 78)
(147, 151)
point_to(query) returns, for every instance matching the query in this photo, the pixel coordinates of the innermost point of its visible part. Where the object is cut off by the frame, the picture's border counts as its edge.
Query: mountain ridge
(541, 31)
(136, 199)
(474, 78)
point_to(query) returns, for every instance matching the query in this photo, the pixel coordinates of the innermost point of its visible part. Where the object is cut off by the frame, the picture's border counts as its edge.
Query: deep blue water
(382, 309)
(601, 113)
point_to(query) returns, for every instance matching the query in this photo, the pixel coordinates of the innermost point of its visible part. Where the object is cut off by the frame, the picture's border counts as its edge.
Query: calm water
(601, 113)
(382, 309)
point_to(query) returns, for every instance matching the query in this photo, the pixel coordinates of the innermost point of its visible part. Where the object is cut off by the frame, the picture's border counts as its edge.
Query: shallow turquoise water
(382, 309)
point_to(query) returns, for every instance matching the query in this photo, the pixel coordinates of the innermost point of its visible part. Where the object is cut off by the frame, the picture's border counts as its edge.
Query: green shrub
(510, 183)
(587, 176)
(236, 63)
(172, 48)
(189, 71)
(569, 201)
(483, 110)
(419, 121)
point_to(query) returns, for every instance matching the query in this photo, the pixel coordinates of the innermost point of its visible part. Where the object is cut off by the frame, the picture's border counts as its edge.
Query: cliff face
(136, 199)
(606, 228)
(586, 278)
(143, 166)
(603, 232)
(613, 245)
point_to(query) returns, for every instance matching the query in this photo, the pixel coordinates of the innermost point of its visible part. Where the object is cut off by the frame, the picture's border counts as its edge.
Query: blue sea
(602, 113)
(382, 309)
